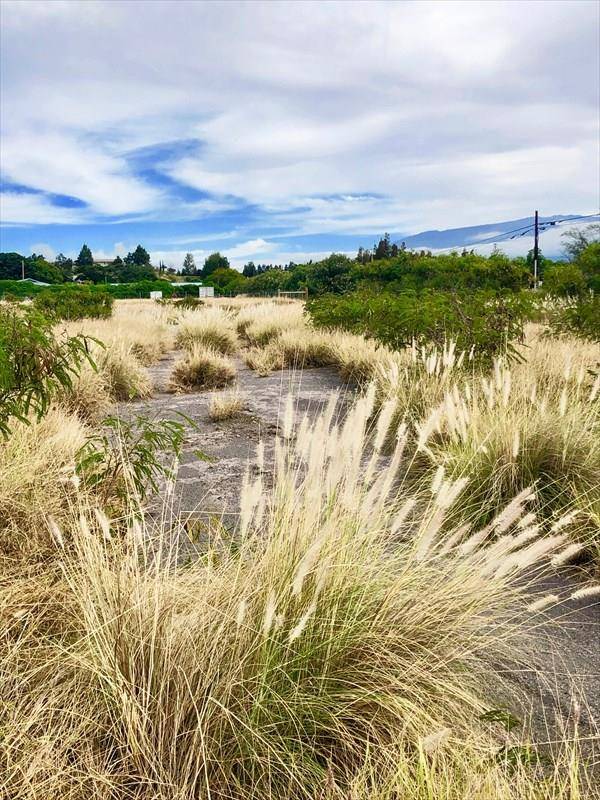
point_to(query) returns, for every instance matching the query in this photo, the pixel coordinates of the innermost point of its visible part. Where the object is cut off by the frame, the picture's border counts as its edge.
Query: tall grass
(210, 327)
(37, 480)
(337, 646)
(514, 430)
(202, 368)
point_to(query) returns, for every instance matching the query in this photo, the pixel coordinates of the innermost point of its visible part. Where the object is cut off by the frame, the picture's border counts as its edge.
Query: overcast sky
(283, 130)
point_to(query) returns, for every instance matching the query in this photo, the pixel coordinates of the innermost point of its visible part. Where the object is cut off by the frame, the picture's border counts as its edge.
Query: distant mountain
(509, 231)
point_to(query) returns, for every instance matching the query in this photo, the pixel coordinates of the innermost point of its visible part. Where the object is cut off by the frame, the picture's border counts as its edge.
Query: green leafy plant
(580, 317)
(75, 302)
(489, 322)
(129, 454)
(34, 363)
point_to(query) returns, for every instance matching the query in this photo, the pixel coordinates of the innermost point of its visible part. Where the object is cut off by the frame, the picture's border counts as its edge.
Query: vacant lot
(344, 571)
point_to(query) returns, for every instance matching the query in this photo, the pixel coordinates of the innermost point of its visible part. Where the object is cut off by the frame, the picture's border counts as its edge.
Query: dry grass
(225, 406)
(342, 644)
(521, 427)
(140, 326)
(37, 478)
(125, 377)
(210, 327)
(310, 660)
(88, 397)
(202, 368)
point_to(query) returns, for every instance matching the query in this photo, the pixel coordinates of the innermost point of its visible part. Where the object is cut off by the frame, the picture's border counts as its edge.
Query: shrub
(74, 302)
(202, 368)
(580, 317)
(126, 459)
(487, 322)
(564, 280)
(34, 363)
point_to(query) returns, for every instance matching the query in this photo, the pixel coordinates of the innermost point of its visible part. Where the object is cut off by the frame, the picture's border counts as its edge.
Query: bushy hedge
(74, 302)
(488, 322)
(121, 291)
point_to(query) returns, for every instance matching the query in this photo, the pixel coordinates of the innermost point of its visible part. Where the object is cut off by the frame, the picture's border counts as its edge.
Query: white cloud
(44, 249)
(254, 247)
(34, 209)
(443, 109)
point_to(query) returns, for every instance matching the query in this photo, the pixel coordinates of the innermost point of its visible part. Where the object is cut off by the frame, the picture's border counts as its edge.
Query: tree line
(387, 266)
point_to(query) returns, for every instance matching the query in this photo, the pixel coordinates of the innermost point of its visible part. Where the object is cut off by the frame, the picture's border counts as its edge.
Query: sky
(277, 131)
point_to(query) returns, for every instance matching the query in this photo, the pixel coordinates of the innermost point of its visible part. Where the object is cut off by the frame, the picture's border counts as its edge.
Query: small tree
(213, 262)
(189, 265)
(34, 363)
(384, 248)
(249, 270)
(85, 257)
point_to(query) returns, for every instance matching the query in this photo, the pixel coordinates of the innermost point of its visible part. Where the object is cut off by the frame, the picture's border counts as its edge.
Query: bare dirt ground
(563, 659)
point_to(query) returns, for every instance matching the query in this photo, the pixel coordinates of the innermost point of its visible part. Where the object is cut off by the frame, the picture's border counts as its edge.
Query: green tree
(226, 280)
(249, 270)
(140, 257)
(564, 280)
(132, 273)
(189, 265)
(85, 257)
(10, 266)
(384, 248)
(65, 265)
(588, 262)
(213, 262)
(333, 274)
(577, 239)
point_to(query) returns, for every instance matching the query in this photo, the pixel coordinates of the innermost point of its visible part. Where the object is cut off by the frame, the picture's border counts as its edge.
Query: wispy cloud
(412, 116)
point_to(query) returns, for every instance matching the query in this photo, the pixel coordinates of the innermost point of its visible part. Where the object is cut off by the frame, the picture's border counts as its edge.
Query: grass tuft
(202, 368)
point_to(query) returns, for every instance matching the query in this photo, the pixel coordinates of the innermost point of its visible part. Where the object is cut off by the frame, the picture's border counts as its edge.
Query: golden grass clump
(264, 360)
(202, 368)
(514, 429)
(310, 660)
(226, 405)
(264, 322)
(140, 326)
(210, 327)
(125, 377)
(88, 397)
(37, 478)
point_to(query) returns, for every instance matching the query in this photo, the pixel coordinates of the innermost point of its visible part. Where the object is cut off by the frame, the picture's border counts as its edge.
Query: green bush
(564, 280)
(580, 317)
(34, 363)
(75, 302)
(488, 322)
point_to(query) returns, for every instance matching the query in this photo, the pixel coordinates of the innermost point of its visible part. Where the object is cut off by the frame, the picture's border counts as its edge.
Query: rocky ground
(563, 660)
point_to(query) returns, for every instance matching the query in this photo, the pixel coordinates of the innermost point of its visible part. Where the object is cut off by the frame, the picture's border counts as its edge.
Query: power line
(518, 232)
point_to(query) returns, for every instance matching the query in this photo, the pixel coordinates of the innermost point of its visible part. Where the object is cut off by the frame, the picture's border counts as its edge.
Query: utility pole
(536, 251)
(22, 270)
